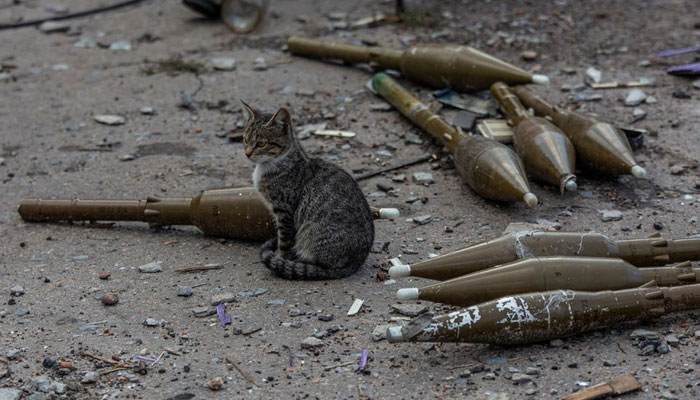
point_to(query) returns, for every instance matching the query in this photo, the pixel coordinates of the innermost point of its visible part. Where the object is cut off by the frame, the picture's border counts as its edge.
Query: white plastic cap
(541, 79)
(530, 199)
(407, 294)
(389, 213)
(399, 271)
(394, 334)
(571, 185)
(638, 172)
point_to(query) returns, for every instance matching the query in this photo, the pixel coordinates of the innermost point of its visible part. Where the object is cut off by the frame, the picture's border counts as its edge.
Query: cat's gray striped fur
(325, 228)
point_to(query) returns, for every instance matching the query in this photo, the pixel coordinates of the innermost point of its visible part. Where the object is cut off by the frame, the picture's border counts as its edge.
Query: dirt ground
(50, 146)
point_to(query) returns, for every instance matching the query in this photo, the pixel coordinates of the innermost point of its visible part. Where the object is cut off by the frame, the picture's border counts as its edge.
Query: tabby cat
(324, 225)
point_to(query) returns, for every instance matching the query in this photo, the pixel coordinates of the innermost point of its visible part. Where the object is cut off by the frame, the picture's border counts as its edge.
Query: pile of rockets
(529, 287)
(545, 149)
(521, 288)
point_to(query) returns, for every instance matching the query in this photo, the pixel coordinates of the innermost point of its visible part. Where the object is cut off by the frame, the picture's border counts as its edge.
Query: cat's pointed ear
(248, 109)
(281, 115)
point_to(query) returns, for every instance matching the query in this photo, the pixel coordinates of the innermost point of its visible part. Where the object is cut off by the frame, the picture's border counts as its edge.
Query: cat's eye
(261, 143)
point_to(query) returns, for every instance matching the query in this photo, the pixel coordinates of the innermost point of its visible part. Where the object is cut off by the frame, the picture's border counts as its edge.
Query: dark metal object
(490, 168)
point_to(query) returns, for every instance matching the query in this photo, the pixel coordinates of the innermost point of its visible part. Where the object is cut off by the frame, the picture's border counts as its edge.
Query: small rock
(556, 343)
(104, 275)
(17, 290)
(185, 291)
(423, 178)
(219, 298)
(90, 377)
(647, 350)
(253, 292)
(107, 119)
(120, 45)
(593, 75)
(224, 63)
(696, 84)
(635, 97)
(663, 348)
(325, 317)
(109, 299)
(528, 55)
(54, 26)
(153, 322)
(399, 178)
(638, 114)
(147, 110)
(651, 100)
(531, 392)
(490, 376)
(295, 312)
(610, 363)
(215, 384)
(7, 393)
(127, 157)
(658, 226)
(680, 94)
(677, 169)
(379, 332)
(610, 215)
(201, 312)
(519, 378)
(260, 64)
(532, 371)
(151, 268)
(423, 219)
(672, 340)
(13, 354)
(409, 309)
(311, 343)
(276, 302)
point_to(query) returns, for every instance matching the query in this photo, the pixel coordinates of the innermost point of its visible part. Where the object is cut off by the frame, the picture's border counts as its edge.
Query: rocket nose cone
(394, 334)
(407, 294)
(399, 271)
(530, 199)
(638, 172)
(389, 213)
(571, 185)
(541, 79)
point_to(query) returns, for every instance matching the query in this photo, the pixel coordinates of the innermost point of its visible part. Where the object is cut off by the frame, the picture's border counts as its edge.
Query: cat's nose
(248, 152)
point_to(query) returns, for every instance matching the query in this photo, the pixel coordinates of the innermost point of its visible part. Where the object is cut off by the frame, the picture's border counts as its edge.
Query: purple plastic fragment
(221, 313)
(687, 69)
(674, 52)
(145, 358)
(363, 360)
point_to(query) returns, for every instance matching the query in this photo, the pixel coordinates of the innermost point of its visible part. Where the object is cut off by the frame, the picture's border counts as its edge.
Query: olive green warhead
(547, 153)
(237, 213)
(600, 146)
(538, 317)
(461, 68)
(490, 168)
(548, 273)
(526, 244)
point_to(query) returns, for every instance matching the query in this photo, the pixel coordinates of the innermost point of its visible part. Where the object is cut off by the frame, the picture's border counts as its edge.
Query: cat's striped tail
(294, 270)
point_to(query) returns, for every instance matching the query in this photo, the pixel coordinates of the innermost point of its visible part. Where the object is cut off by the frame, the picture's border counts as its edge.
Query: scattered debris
(335, 133)
(593, 75)
(120, 45)
(54, 26)
(355, 307)
(466, 102)
(610, 215)
(215, 384)
(312, 343)
(409, 309)
(185, 291)
(205, 267)
(220, 298)
(224, 63)
(621, 384)
(151, 268)
(393, 167)
(107, 119)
